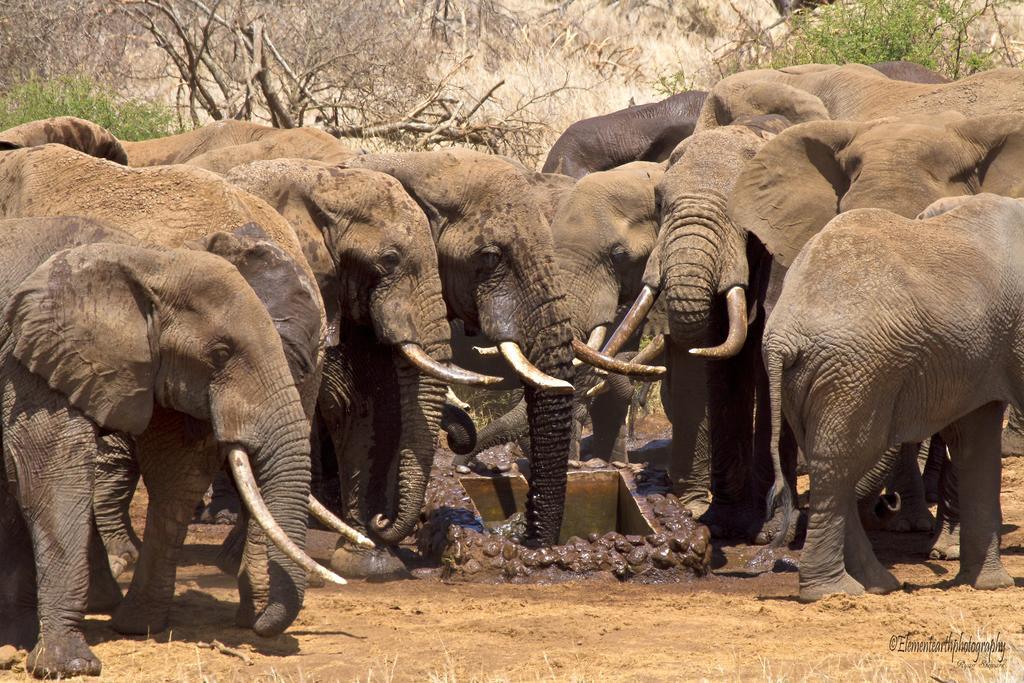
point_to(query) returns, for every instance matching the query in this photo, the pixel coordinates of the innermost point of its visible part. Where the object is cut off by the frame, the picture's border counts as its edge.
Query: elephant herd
(824, 259)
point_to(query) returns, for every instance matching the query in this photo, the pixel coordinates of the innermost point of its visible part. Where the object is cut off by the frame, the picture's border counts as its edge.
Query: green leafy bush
(127, 119)
(933, 33)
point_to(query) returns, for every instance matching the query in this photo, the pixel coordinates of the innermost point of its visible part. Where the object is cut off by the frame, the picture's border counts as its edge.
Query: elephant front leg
(57, 508)
(174, 484)
(20, 625)
(116, 477)
(689, 466)
(974, 445)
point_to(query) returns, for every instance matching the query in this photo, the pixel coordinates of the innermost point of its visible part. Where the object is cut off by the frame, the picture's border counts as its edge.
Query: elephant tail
(780, 492)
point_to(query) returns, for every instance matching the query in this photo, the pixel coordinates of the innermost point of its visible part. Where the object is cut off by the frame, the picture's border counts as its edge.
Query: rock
(637, 557)
(10, 656)
(656, 540)
(472, 567)
(635, 539)
(492, 547)
(509, 550)
(462, 469)
(595, 464)
(663, 558)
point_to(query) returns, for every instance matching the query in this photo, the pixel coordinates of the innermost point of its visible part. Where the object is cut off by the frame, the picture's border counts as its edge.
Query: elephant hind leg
(974, 442)
(833, 499)
(860, 560)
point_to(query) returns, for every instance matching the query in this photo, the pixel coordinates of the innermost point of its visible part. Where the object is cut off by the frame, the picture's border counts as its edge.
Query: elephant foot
(133, 619)
(62, 657)
(732, 520)
(987, 579)
(876, 579)
(845, 584)
(379, 564)
(946, 545)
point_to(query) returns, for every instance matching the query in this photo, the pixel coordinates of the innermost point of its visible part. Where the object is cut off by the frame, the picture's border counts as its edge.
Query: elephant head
(376, 265)
(181, 329)
(700, 257)
(85, 136)
(902, 165)
(604, 231)
(498, 276)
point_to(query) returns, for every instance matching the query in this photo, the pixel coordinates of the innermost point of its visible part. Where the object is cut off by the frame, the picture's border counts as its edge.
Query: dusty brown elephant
(499, 278)
(373, 255)
(106, 340)
(222, 145)
(173, 206)
(856, 92)
(603, 228)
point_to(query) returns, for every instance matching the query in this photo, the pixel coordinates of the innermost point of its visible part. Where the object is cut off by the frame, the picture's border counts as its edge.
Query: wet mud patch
(620, 523)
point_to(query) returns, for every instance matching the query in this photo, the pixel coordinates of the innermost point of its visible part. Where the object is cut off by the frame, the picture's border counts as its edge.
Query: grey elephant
(603, 229)
(159, 336)
(889, 329)
(175, 206)
(499, 278)
(382, 399)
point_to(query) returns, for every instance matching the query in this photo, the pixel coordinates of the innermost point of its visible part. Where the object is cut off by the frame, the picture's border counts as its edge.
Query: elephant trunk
(281, 464)
(549, 414)
(421, 401)
(695, 231)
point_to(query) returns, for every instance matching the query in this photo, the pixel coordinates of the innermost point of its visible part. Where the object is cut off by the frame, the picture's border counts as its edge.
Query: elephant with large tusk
(498, 276)
(176, 206)
(77, 373)
(387, 367)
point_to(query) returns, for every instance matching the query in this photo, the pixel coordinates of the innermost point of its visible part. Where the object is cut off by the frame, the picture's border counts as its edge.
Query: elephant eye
(619, 255)
(220, 354)
(389, 260)
(489, 257)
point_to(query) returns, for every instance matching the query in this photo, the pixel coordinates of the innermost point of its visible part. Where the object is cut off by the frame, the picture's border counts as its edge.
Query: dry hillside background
(505, 75)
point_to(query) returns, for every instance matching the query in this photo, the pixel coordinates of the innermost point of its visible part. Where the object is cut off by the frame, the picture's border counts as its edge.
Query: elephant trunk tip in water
(250, 494)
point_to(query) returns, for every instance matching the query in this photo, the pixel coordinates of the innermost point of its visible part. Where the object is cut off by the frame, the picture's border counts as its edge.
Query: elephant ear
(85, 136)
(998, 142)
(793, 186)
(729, 102)
(85, 323)
(280, 285)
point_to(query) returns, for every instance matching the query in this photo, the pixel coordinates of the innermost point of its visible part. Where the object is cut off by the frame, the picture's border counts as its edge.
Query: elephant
(700, 256)
(221, 145)
(649, 132)
(645, 132)
(603, 228)
(179, 334)
(175, 206)
(890, 329)
(375, 263)
(855, 92)
(499, 277)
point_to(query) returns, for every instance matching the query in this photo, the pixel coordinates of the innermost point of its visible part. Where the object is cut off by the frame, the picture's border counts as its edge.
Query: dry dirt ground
(727, 626)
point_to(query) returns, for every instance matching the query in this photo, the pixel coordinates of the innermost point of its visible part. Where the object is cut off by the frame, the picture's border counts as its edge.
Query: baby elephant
(889, 330)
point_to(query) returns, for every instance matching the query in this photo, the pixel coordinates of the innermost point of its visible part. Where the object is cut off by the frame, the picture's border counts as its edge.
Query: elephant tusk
(332, 522)
(531, 374)
(628, 368)
(594, 341)
(250, 494)
(653, 349)
(487, 350)
(597, 389)
(451, 374)
(736, 302)
(452, 398)
(632, 321)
